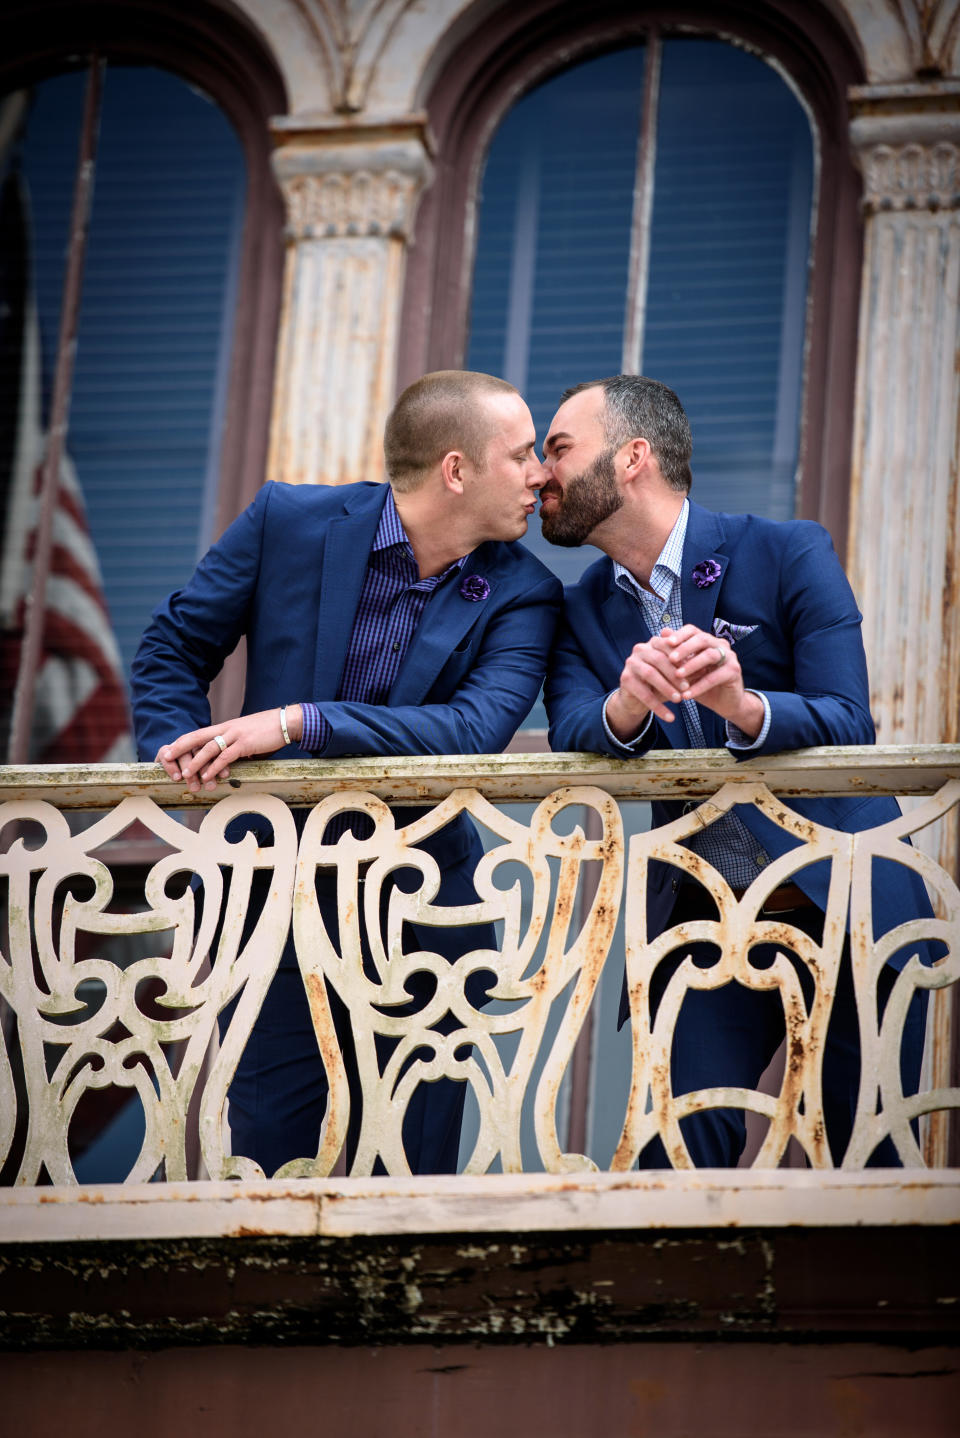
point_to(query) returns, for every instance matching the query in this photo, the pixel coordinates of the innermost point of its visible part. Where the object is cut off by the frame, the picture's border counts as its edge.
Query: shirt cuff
(316, 729)
(736, 739)
(631, 746)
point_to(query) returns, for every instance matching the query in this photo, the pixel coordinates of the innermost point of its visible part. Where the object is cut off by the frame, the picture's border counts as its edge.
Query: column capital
(906, 141)
(343, 179)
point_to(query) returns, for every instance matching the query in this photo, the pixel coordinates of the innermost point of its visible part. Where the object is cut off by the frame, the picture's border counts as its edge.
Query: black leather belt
(787, 896)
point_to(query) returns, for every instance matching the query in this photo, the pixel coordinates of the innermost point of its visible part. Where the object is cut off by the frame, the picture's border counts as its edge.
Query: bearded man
(704, 630)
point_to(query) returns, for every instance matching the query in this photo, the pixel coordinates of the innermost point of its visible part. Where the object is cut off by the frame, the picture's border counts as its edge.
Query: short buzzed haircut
(437, 414)
(639, 407)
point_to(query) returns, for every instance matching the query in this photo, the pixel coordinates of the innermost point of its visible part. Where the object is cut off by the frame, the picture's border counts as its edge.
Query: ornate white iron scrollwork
(81, 1022)
(150, 1025)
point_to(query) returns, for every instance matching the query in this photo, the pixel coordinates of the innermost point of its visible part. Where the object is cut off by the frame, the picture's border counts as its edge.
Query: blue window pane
(726, 300)
(553, 245)
(729, 243)
(155, 321)
(727, 279)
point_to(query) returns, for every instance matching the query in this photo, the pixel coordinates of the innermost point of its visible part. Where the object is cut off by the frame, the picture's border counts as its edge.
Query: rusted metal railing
(557, 887)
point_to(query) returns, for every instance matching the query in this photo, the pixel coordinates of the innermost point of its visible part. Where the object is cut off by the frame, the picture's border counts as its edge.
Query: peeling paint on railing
(62, 912)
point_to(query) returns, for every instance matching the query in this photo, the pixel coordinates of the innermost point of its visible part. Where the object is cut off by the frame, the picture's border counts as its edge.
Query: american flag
(80, 710)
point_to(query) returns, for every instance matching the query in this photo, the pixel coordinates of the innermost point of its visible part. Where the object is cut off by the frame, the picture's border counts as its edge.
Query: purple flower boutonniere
(707, 572)
(474, 588)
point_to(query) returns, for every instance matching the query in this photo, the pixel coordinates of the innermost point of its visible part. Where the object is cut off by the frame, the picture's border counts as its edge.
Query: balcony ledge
(487, 1203)
(580, 1259)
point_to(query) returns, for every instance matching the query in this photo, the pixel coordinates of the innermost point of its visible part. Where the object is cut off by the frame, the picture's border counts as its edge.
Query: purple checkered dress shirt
(391, 606)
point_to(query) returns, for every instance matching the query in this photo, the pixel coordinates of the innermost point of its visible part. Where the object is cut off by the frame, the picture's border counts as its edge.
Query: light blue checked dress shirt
(727, 844)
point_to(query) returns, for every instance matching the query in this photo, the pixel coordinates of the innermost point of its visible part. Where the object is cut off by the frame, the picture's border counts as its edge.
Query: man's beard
(588, 499)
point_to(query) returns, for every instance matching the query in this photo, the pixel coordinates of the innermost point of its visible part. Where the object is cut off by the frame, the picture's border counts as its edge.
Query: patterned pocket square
(723, 629)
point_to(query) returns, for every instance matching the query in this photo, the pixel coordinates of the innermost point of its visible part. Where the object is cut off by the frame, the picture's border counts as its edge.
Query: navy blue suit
(805, 654)
(287, 576)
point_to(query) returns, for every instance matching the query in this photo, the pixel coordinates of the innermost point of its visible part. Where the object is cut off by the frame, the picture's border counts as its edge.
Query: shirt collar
(390, 530)
(669, 561)
(390, 533)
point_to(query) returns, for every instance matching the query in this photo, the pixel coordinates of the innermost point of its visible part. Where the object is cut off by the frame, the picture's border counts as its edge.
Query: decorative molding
(912, 177)
(931, 28)
(352, 35)
(906, 140)
(361, 203)
(340, 183)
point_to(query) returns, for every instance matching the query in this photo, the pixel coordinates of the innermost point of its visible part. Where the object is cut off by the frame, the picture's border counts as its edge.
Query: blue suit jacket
(805, 654)
(287, 575)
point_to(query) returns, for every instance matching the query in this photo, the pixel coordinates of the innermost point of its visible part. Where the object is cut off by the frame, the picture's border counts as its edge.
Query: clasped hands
(203, 757)
(686, 663)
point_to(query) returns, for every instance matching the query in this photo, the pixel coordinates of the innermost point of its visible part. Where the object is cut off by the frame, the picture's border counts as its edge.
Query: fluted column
(351, 193)
(905, 543)
(904, 555)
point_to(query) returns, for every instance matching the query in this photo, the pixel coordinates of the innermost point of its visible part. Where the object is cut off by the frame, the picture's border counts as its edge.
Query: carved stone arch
(952, 48)
(518, 46)
(875, 31)
(212, 45)
(904, 39)
(351, 39)
(939, 24)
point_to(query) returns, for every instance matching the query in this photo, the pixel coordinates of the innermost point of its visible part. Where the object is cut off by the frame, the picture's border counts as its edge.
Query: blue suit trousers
(279, 1092)
(728, 1036)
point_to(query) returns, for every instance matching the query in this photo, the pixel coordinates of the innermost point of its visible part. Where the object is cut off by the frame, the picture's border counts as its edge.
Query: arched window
(732, 103)
(172, 383)
(649, 210)
(180, 292)
(156, 319)
(665, 189)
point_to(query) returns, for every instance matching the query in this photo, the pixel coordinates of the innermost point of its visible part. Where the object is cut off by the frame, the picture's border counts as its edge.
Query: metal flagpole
(31, 652)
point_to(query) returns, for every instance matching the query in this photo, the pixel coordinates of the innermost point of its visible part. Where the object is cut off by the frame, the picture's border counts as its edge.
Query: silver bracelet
(283, 725)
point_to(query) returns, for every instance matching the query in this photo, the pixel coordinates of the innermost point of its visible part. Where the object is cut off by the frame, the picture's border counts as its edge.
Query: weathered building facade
(316, 201)
(364, 132)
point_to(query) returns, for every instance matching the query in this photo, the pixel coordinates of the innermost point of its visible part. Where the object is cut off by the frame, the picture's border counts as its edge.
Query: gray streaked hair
(638, 407)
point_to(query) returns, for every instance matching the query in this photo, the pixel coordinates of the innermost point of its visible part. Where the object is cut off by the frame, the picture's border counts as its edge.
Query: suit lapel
(702, 542)
(446, 621)
(343, 559)
(624, 625)
(624, 622)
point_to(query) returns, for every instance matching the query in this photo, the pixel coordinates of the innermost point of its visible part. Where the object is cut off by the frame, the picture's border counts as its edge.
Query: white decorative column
(904, 554)
(351, 192)
(905, 517)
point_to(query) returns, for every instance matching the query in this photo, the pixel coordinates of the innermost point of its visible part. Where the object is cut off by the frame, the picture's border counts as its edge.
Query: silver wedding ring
(721, 654)
(219, 740)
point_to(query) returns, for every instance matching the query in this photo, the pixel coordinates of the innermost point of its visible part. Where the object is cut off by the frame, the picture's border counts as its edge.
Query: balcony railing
(104, 986)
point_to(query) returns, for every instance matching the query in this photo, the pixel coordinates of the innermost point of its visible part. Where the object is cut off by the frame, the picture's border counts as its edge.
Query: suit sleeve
(814, 674)
(191, 633)
(828, 701)
(484, 711)
(575, 695)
